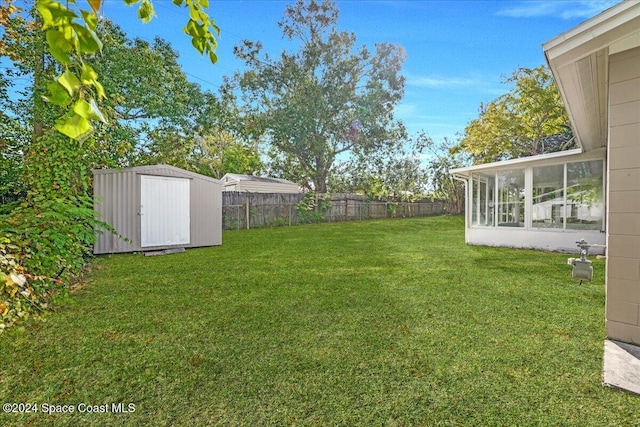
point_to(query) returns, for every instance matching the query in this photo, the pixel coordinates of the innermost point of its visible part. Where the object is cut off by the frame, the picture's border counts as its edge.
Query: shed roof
(579, 60)
(158, 170)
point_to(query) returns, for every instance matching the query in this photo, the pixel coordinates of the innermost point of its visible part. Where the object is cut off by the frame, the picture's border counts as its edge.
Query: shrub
(21, 295)
(46, 244)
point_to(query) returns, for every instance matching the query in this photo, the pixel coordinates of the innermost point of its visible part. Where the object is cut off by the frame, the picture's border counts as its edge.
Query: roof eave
(579, 62)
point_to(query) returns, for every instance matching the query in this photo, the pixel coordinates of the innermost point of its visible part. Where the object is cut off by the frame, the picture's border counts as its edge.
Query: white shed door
(164, 211)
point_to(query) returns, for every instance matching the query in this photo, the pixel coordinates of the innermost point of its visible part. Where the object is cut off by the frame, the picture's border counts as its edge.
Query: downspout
(466, 205)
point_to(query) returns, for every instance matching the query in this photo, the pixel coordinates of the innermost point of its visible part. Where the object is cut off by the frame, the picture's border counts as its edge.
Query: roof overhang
(579, 61)
(548, 159)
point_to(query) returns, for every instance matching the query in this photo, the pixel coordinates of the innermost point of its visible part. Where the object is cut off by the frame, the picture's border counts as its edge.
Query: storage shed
(258, 184)
(157, 207)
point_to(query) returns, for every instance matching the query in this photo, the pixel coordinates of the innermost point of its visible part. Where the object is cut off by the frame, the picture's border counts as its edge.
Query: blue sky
(458, 52)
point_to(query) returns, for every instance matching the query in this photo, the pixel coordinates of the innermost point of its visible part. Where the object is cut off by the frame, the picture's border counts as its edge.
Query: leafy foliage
(521, 122)
(71, 36)
(393, 175)
(443, 185)
(19, 299)
(324, 100)
(312, 207)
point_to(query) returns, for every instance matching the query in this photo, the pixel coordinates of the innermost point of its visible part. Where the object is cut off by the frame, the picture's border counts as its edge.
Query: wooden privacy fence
(259, 210)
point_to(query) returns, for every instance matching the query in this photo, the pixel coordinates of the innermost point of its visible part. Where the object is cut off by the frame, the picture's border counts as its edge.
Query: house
(258, 184)
(156, 208)
(553, 200)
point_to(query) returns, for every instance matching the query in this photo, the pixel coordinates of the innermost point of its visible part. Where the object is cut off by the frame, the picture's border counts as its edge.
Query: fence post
(247, 213)
(346, 208)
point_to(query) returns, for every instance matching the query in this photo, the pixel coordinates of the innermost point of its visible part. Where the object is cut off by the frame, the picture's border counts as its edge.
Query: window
(511, 197)
(585, 205)
(567, 196)
(548, 208)
(482, 205)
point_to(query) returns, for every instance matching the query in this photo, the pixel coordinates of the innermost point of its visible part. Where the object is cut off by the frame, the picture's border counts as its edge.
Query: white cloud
(438, 82)
(531, 10)
(561, 9)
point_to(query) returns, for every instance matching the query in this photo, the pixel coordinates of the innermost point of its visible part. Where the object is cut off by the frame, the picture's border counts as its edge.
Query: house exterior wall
(117, 201)
(547, 240)
(261, 187)
(623, 229)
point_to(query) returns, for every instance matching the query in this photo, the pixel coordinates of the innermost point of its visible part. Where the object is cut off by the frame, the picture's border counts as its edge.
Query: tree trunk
(38, 82)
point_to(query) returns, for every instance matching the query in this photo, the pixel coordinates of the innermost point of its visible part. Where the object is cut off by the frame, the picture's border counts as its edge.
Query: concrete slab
(622, 366)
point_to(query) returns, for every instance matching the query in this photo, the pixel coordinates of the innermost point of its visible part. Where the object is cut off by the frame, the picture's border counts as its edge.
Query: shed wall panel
(116, 198)
(206, 213)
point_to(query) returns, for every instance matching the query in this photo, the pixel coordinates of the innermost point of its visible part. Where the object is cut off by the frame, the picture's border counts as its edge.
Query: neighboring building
(156, 207)
(258, 184)
(597, 68)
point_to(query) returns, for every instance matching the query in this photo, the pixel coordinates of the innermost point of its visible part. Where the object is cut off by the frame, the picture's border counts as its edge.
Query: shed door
(164, 211)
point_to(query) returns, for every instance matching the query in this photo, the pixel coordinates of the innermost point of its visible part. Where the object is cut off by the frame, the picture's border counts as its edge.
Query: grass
(374, 323)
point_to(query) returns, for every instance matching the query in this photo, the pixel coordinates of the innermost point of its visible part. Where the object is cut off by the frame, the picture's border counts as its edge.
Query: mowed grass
(370, 323)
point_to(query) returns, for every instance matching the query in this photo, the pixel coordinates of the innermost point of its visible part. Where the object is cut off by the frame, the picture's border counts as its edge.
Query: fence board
(242, 210)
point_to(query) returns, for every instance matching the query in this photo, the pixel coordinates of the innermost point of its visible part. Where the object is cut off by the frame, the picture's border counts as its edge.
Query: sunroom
(547, 202)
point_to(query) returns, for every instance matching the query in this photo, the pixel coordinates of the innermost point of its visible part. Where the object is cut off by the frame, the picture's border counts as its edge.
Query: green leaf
(70, 82)
(213, 57)
(88, 40)
(99, 89)
(195, 14)
(75, 127)
(90, 17)
(88, 75)
(145, 12)
(178, 2)
(195, 29)
(54, 13)
(58, 95)
(59, 46)
(131, 2)
(88, 110)
(198, 43)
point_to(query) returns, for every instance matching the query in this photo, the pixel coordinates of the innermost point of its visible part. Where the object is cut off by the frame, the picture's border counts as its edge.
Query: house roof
(240, 177)
(519, 162)
(579, 62)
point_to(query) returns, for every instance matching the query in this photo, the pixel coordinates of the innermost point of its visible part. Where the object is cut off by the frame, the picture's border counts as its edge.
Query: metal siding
(115, 197)
(206, 213)
(117, 201)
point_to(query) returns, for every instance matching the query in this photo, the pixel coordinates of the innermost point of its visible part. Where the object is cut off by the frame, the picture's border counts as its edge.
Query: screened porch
(546, 202)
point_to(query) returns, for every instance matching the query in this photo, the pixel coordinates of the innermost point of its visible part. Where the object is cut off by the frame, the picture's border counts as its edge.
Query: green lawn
(393, 322)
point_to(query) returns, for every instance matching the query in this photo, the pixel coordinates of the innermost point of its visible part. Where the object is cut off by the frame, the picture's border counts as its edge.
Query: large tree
(530, 119)
(327, 99)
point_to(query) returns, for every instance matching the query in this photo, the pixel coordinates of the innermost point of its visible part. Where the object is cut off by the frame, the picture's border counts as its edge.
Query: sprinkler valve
(582, 269)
